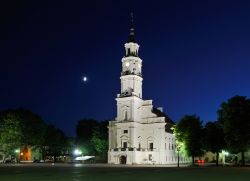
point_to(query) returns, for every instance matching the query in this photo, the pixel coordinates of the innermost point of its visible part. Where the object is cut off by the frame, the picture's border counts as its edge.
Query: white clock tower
(131, 81)
(140, 133)
(131, 76)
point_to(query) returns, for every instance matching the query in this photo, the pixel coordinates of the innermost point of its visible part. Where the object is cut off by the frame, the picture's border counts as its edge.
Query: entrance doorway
(123, 160)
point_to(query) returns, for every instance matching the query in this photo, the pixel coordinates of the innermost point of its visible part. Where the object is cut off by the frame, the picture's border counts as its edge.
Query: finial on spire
(132, 30)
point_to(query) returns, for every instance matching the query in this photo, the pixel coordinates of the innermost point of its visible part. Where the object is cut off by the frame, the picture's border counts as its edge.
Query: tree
(189, 132)
(99, 139)
(214, 138)
(55, 142)
(92, 137)
(70, 145)
(33, 128)
(84, 129)
(84, 132)
(10, 132)
(23, 127)
(234, 115)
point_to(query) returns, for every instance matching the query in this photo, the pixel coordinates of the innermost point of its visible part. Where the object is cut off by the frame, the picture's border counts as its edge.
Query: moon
(85, 79)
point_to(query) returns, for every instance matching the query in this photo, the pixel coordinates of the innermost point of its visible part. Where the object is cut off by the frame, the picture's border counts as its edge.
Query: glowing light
(139, 65)
(77, 152)
(82, 158)
(85, 79)
(17, 151)
(225, 153)
(127, 64)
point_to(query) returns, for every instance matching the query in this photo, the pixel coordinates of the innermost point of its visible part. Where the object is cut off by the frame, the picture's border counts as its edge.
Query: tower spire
(132, 30)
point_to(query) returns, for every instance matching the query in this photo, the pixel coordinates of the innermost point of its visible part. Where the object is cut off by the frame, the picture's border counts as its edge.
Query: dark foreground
(105, 173)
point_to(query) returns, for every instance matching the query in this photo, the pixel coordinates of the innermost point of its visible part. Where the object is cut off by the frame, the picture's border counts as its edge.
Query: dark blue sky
(195, 56)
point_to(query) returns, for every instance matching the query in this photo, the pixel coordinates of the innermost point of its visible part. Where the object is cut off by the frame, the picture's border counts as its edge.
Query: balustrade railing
(132, 149)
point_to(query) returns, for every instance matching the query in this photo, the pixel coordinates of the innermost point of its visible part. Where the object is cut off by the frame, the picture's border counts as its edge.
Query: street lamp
(178, 148)
(77, 152)
(17, 152)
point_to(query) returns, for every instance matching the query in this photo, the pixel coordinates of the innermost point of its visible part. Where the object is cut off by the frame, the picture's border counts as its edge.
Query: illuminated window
(127, 64)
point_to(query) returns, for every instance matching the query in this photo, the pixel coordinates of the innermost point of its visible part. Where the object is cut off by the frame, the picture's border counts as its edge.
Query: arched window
(128, 51)
(125, 115)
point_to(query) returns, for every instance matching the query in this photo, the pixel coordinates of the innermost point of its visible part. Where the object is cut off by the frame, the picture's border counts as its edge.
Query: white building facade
(140, 133)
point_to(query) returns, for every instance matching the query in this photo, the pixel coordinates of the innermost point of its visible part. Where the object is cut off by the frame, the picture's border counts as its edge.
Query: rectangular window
(151, 146)
(125, 131)
(125, 144)
(150, 157)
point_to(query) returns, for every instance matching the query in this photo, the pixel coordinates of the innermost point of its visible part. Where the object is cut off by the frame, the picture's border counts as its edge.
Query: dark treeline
(231, 131)
(92, 138)
(23, 128)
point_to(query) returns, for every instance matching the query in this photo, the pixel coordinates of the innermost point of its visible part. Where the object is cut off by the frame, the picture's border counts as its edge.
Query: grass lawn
(85, 173)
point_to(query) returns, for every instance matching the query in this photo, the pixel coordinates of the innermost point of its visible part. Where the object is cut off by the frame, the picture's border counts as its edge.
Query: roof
(168, 120)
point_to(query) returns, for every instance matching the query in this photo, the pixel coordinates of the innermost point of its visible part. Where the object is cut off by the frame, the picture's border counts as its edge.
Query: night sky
(195, 56)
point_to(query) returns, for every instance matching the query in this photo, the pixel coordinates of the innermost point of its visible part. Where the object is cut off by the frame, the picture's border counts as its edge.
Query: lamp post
(178, 147)
(17, 152)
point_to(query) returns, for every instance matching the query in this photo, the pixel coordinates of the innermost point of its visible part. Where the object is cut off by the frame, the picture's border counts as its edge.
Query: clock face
(127, 64)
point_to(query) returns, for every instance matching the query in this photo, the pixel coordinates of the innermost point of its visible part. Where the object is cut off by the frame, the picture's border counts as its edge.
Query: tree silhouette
(214, 138)
(189, 132)
(234, 115)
